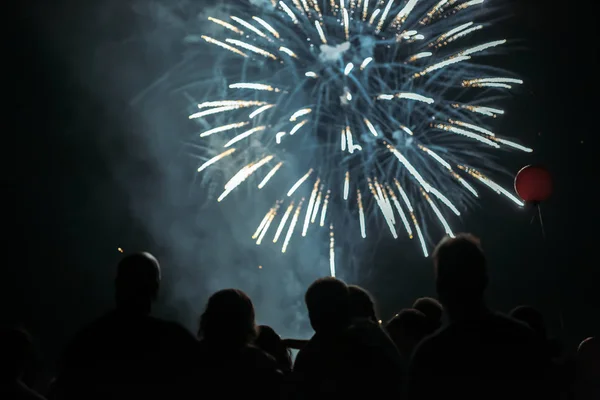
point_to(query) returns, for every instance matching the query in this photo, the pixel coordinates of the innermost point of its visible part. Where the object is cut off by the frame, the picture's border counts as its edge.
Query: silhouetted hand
(296, 344)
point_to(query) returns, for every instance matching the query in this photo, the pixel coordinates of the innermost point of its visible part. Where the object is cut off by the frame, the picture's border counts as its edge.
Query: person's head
(328, 304)
(588, 359)
(361, 303)
(16, 350)
(432, 309)
(407, 329)
(461, 273)
(228, 319)
(532, 317)
(137, 282)
(270, 342)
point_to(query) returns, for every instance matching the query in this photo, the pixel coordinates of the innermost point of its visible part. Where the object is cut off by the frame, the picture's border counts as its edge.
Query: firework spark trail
(400, 212)
(290, 231)
(445, 164)
(438, 213)
(223, 128)
(324, 209)
(271, 173)
(413, 217)
(283, 222)
(215, 159)
(311, 205)
(383, 207)
(266, 227)
(317, 205)
(331, 251)
(380, 77)
(346, 185)
(361, 215)
(264, 221)
(491, 184)
(242, 175)
(244, 135)
(299, 182)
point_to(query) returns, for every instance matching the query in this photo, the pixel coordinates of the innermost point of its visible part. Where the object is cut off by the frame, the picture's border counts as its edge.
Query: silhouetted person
(533, 318)
(362, 305)
(377, 359)
(128, 353)
(432, 309)
(587, 385)
(479, 354)
(271, 343)
(320, 365)
(227, 362)
(15, 353)
(563, 369)
(407, 329)
(330, 364)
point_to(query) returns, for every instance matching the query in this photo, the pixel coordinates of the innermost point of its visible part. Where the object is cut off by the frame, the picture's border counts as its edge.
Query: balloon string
(541, 221)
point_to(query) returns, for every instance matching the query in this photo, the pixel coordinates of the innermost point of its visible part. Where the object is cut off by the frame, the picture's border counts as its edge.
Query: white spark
(268, 27)
(348, 68)
(270, 175)
(289, 12)
(420, 55)
(482, 47)
(278, 137)
(251, 48)
(300, 113)
(288, 52)
(223, 128)
(260, 110)
(299, 182)
(248, 26)
(215, 159)
(366, 62)
(253, 86)
(297, 127)
(244, 135)
(371, 127)
(514, 145)
(320, 31)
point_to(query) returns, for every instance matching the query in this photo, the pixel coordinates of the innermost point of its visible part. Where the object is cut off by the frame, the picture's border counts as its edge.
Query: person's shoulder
(260, 363)
(172, 329)
(261, 359)
(312, 344)
(435, 343)
(23, 392)
(94, 330)
(509, 324)
(167, 324)
(307, 352)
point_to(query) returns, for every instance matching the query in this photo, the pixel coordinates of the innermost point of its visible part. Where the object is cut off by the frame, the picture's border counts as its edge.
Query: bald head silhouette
(328, 303)
(137, 282)
(361, 303)
(461, 271)
(228, 318)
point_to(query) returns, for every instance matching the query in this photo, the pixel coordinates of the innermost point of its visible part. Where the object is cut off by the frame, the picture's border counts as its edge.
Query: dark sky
(70, 213)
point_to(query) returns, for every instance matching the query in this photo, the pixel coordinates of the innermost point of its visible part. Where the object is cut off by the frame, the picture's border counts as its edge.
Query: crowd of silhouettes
(453, 347)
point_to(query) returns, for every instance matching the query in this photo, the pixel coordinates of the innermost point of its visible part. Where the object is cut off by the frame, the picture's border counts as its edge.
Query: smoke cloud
(206, 246)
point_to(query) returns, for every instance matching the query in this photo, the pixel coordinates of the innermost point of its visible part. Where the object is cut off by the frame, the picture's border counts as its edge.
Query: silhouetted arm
(296, 344)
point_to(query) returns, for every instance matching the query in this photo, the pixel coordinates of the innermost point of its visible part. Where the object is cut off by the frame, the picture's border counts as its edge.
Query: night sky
(72, 207)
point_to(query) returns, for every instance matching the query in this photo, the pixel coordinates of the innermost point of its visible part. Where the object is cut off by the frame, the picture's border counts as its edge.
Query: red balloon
(533, 184)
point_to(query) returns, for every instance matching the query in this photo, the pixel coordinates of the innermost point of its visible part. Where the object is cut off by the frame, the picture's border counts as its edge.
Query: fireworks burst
(381, 101)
